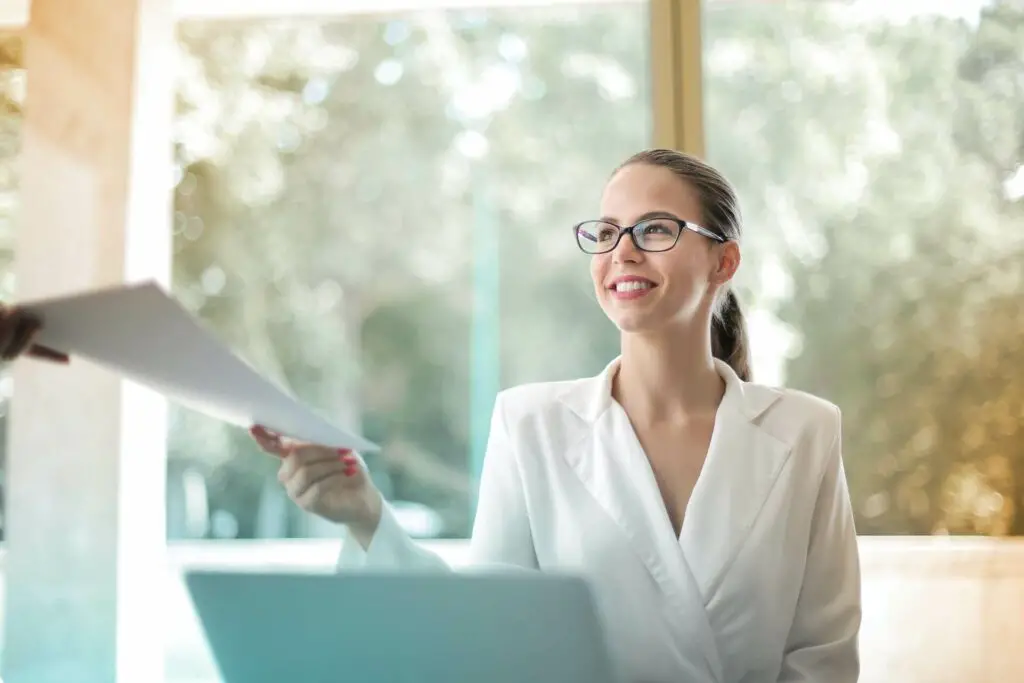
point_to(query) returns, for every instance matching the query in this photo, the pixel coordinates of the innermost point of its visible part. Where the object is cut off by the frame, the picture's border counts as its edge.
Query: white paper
(143, 334)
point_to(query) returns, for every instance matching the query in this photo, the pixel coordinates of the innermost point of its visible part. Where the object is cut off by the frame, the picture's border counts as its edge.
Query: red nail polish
(350, 471)
(344, 451)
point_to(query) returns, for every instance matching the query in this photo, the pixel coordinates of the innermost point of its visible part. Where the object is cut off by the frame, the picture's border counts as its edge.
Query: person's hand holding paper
(144, 335)
(18, 330)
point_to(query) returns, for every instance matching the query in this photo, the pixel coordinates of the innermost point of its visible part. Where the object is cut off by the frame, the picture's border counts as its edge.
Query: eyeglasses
(653, 234)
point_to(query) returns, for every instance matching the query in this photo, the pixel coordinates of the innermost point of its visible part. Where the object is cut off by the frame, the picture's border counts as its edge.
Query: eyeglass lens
(598, 237)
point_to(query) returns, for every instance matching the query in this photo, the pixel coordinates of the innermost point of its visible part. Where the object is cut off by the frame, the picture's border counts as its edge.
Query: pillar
(85, 566)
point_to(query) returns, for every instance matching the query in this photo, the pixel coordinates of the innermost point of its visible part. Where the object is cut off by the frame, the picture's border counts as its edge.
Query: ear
(728, 262)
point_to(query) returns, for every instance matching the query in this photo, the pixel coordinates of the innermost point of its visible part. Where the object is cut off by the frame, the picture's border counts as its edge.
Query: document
(142, 333)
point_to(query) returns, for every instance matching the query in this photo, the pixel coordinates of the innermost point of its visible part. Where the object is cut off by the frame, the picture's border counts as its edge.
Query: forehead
(640, 188)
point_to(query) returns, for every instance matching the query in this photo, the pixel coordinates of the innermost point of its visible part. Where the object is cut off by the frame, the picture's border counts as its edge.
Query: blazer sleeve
(822, 644)
(501, 534)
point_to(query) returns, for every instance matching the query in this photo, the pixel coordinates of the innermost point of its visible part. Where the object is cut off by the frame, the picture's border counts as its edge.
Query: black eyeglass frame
(683, 225)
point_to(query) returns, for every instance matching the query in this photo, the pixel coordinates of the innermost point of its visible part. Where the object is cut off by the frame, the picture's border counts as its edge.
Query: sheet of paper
(143, 334)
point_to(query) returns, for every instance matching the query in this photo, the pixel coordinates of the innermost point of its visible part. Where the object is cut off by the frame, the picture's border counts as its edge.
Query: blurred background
(878, 150)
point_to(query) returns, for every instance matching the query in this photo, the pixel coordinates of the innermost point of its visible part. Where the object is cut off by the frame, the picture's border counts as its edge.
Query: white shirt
(761, 586)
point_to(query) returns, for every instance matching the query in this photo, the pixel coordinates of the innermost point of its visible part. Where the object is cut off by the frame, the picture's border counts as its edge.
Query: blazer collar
(589, 398)
(742, 465)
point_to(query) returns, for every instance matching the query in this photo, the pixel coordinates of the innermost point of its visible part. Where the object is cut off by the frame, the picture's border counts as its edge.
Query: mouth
(631, 288)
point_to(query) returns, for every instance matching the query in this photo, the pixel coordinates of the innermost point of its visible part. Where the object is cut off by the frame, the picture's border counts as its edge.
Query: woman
(710, 514)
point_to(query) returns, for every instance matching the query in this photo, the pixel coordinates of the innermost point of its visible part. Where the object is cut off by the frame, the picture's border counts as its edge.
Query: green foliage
(885, 177)
(353, 164)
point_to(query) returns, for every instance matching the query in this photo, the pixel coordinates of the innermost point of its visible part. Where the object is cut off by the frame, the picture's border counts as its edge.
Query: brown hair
(720, 213)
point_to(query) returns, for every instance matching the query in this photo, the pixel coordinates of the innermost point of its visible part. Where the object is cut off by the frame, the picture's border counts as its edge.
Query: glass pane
(879, 152)
(370, 210)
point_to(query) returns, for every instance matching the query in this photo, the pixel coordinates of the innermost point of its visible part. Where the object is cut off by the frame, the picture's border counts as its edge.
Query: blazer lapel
(741, 468)
(612, 466)
(742, 465)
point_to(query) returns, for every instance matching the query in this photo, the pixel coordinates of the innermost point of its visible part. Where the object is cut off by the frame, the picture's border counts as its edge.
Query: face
(643, 291)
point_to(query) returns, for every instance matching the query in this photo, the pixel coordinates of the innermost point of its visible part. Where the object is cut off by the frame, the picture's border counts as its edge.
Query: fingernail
(344, 451)
(350, 471)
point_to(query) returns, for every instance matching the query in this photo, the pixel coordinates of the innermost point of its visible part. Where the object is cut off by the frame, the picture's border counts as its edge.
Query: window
(879, 152)
(322, 162)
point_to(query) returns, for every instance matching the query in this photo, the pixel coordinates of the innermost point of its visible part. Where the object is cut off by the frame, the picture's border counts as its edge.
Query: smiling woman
(709, 514)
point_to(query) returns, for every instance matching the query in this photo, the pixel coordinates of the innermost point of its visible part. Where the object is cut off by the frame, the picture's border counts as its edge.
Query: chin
(635, 322)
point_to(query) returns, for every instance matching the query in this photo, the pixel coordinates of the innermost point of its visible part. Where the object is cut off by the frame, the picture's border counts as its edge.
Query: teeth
(631, 286)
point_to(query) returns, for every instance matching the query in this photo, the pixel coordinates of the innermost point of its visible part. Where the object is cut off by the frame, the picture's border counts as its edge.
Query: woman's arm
(501, 530)
(822, 643)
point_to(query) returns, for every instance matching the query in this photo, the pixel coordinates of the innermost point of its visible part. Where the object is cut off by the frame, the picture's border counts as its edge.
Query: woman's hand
(17, 330)
(328, 482)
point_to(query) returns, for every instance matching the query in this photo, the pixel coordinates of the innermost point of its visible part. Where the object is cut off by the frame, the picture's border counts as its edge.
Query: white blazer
(761, 586)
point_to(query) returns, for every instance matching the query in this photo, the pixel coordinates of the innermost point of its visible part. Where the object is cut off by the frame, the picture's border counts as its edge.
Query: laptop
(401, 627)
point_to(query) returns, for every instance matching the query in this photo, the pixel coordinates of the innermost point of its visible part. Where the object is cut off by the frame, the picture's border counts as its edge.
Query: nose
(625, 251)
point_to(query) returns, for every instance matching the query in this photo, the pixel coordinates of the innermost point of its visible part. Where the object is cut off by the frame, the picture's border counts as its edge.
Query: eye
(658, 228)
(596, 237)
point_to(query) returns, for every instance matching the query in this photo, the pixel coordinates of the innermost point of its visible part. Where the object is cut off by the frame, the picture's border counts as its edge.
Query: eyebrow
(645, 217)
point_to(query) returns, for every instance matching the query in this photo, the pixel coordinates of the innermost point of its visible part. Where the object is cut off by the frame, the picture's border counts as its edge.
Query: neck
(668, 375)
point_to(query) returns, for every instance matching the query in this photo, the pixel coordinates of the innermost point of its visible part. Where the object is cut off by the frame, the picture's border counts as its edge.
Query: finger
(46, 353)
(13, 325)
(310, 500)
(306, 453)
(299, 456)
(18, 339)
(352, 462)
(305, 479)
(261, 431)
(268, 441)
(24, 331)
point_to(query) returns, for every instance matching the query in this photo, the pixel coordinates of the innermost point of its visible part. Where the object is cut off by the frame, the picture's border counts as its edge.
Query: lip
(632, 294)
(630, 278)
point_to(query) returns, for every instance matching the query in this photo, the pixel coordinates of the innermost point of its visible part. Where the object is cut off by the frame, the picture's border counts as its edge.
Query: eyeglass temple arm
(704, 231)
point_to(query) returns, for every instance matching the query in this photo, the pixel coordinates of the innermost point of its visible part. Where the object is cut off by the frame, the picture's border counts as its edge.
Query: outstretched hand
(328, 482)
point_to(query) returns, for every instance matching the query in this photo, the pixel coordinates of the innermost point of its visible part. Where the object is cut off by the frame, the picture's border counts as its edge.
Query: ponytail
(729, 336)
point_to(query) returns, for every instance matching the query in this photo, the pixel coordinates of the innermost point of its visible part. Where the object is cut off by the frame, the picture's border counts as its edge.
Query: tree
(877, 171)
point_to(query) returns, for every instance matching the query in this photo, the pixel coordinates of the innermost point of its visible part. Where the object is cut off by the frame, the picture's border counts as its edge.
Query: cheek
(686, 276)
(598, 270)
